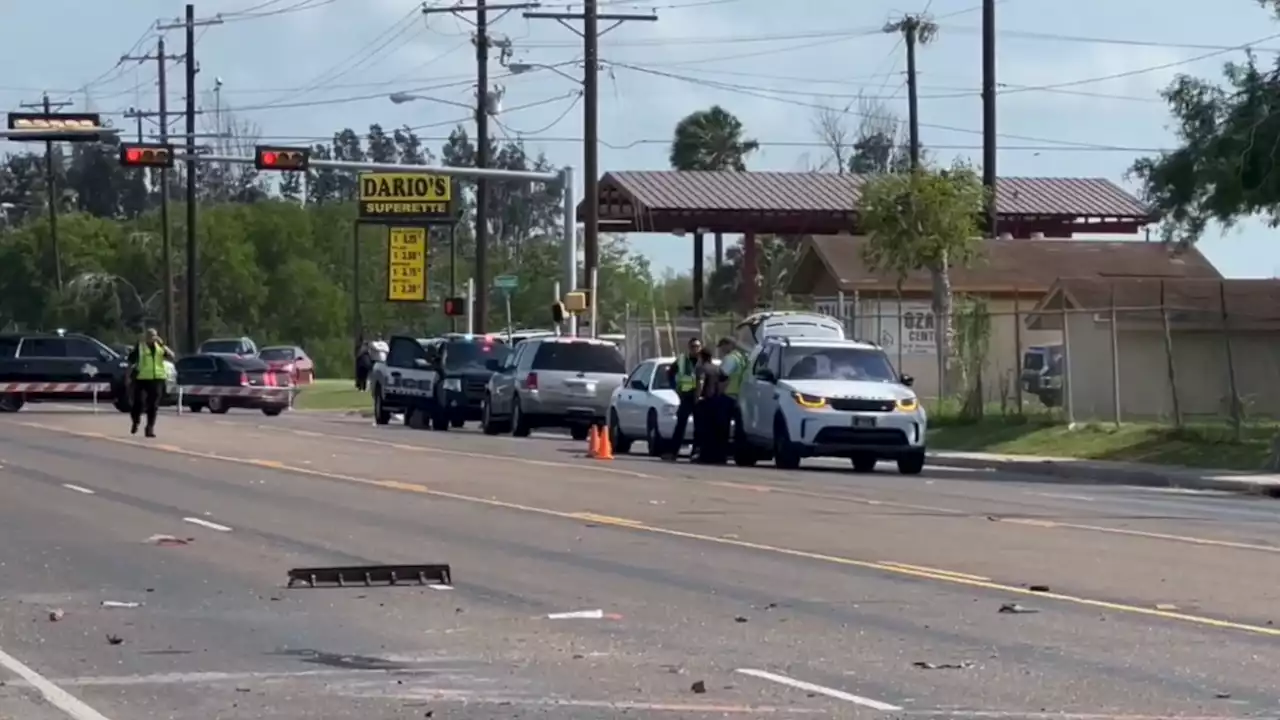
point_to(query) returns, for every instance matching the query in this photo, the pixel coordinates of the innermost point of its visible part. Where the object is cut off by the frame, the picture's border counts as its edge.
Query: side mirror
(908, 380)
(767, 376)
(421, 364)
(492, 365)
(639, 385)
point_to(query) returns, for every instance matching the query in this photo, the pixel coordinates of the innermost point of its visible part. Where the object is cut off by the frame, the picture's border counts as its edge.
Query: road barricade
(56, 388)
(285, 393)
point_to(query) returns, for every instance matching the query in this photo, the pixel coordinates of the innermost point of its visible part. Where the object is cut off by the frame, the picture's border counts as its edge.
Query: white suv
(811, 397)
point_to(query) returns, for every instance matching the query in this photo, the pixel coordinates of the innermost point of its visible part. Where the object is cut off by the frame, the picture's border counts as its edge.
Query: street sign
(394, 198)
(407, 264)
(506, 282)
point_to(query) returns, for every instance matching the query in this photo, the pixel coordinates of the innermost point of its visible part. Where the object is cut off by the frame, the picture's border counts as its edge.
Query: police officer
(683, 374)
(711, 421)
(733, 368)
(147, 373)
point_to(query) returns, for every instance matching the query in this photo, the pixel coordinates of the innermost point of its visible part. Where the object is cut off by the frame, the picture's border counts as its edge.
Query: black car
(58, 357)
(464, 363)
(209, 378)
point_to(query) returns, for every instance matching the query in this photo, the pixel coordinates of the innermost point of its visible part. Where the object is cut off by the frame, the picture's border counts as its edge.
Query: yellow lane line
(926, 568)
(942, 576)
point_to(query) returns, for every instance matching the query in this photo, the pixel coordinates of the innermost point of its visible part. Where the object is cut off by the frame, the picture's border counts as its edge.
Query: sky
(1079, 81)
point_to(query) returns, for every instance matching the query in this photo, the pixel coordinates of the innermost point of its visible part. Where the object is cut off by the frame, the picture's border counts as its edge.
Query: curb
(1076, 472)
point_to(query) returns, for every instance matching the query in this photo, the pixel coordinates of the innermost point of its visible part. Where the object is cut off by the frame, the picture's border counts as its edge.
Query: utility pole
(482, 43)
(166, 241)
(189, 24)
(909, 28)
(590, 34)
(51, 185)
(989, 113)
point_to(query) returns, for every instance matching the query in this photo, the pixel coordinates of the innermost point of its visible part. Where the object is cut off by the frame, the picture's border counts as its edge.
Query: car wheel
(415, 418)
(580, 432)
(785, 456)
(218, 406)
(519, 424)
(912, 464)
(272, 412)
(863, 463)
(457, 421)
(439, 418)
(652, 437)
(487, 425)
(381, 415)
(620, 443)
(12, 402)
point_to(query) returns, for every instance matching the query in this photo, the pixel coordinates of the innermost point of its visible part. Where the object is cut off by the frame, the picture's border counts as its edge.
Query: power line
(1127, 42)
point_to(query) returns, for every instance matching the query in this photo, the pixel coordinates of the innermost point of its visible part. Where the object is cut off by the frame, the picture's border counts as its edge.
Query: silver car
(553, 382)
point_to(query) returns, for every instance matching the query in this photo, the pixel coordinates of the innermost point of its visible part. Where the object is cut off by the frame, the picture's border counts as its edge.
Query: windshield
(837, 363)
(579, 357)
(275, 354)
(473, 355)
(226, 347)
(1033, 360)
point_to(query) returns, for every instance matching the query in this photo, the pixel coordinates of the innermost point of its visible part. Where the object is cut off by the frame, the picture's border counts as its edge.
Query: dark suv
(58, 358)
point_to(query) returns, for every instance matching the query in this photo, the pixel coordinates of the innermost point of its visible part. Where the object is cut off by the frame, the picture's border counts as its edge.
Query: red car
(292, 360)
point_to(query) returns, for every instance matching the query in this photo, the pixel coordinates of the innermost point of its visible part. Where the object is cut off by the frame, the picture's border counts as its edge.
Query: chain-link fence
(1107, 364)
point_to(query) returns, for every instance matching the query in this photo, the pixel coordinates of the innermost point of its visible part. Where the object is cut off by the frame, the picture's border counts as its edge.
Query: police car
(436, 381)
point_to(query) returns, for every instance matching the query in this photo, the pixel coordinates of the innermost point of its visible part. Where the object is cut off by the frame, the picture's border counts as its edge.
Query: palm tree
(711, 139)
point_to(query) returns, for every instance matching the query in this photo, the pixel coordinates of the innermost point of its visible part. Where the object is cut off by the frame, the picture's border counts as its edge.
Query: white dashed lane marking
(207, 524)
(77, 488)
(820, 690)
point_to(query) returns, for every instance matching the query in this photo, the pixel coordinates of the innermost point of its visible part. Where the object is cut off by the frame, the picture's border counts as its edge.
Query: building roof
(1252, 300)
(1005, 265)
(638, 197)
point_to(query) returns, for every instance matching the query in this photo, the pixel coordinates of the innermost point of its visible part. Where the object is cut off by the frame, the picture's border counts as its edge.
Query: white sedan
(644, 408)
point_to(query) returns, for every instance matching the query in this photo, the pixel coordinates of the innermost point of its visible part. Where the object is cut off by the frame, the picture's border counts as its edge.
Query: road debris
(120, 604)
(962, 665)
(114, 639)
(584, 615)
(56, 614)
(1039, 588)
(369, 574)
(698, 687)
(740, 619)
(1015, 608)
(168, 540)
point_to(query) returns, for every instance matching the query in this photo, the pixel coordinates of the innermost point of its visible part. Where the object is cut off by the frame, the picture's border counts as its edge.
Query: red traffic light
(146, 155)
(281, 158)
(455, 307)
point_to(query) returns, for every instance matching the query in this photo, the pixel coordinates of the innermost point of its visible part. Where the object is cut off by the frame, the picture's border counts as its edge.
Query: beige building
(1012, 277)
(1176, 346)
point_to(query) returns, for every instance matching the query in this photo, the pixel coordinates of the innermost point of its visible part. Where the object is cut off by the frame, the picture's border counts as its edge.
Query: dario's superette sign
(406, 198)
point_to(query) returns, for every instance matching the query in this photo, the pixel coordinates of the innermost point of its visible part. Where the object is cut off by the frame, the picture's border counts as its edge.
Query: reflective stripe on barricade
(53, 387)
(267, 392)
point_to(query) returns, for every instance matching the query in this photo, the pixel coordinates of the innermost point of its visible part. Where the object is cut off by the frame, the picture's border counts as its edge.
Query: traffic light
(70, 127)
(146, 155)
(455, 306)
(266, 157)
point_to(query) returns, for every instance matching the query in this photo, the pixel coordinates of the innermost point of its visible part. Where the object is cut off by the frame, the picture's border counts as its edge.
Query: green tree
(1223, 169)
(924, 220)
(711, 139)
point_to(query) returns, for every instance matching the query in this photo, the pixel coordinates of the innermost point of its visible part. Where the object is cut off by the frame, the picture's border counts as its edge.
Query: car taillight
(531, 381)
(244, 378)
(269, 379)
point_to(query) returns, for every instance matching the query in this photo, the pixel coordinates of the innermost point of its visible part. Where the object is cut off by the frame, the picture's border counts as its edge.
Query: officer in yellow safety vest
(147, 375)
(733, 367)
(684, 375)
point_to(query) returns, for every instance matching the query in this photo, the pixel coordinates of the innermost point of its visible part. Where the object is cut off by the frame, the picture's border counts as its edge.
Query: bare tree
(877, 145)
(833, 132)
(229, 134)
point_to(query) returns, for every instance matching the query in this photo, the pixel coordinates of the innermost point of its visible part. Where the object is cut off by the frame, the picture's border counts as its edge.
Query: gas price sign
(407, 264)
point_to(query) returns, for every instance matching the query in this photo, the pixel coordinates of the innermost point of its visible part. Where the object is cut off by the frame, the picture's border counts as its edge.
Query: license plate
(864, 421)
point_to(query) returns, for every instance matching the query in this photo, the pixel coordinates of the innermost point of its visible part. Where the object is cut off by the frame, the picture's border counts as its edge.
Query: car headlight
(908, 404)
(453, 384)
(812, 402)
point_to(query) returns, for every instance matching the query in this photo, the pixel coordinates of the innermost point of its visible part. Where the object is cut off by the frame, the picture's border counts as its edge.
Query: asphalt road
(810, 593)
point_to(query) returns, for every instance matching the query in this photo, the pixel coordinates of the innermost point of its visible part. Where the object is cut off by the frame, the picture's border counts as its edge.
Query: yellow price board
(407, 264)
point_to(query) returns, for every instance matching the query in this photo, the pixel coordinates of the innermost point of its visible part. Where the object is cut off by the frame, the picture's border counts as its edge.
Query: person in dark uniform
(364, 363)
(709, 417)
(147, 376)
(683, 374)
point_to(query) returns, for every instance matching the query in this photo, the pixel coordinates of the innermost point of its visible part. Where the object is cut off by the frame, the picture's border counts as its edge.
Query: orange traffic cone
(606, 446)
(593, 443)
